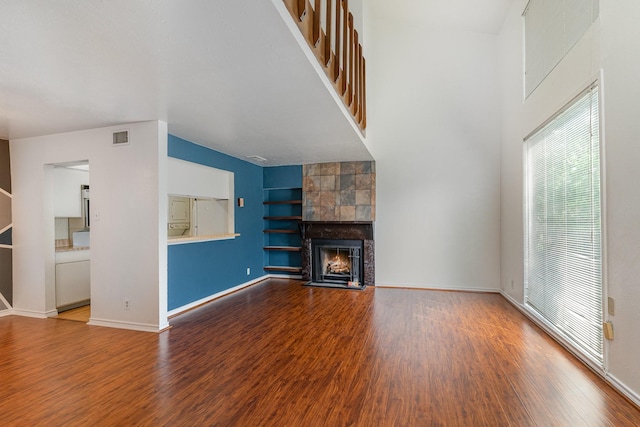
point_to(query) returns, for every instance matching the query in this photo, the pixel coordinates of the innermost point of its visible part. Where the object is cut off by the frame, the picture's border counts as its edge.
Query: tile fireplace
(338, 254)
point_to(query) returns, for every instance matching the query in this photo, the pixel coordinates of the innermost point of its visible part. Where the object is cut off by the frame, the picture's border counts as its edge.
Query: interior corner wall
(125, 261)
(434, 130)
(608, 52)
(199, 270)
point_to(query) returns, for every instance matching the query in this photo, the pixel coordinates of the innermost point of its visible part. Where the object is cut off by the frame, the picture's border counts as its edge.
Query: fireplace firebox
(337, 262)
(338, 254)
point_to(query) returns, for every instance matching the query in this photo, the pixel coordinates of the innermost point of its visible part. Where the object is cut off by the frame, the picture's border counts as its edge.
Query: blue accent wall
(199, 270)
(282, 176)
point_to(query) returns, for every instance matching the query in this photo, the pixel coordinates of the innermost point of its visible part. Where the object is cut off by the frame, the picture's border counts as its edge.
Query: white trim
(437, 288)
(566, 344)
(623, 389)
(6, 193)
(604, 258)
(7, 312)
(31, 313)
(217, 295)
(144, 327)
(5, 302)
(6, 228)
(614, 382)
(6, 246)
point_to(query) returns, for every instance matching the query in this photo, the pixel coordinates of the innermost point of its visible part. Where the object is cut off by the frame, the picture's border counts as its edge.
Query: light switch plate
(611, 309)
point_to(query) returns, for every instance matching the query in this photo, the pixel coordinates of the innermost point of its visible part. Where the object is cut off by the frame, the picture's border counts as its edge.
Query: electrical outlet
(611, 306)
(127, 304)
(248, 271)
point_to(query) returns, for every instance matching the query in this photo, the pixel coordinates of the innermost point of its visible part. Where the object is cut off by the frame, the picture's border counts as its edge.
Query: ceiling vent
(121, 138)
(257, 158)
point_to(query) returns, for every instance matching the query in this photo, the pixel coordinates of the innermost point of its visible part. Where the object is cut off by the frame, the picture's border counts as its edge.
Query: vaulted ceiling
(224, 74)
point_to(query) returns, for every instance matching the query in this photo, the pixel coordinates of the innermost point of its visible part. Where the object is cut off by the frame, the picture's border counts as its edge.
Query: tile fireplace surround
(339, 204)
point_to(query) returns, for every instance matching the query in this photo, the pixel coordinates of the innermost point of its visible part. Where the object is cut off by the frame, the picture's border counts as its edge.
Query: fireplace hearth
(338, 254)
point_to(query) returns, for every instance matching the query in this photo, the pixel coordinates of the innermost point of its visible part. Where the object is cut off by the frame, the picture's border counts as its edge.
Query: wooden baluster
(301, 9)
(355, 106)
(349, 94)
(327, 40)
(315, 37)
(345, 47)
(336, 62)
(363, 121)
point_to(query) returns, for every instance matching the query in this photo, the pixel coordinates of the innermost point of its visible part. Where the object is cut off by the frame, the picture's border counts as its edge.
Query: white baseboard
(217, 295)
(623, 389)
(124, 325)
(618, 385)
(31, 313)
(437, 288)
(7, 312)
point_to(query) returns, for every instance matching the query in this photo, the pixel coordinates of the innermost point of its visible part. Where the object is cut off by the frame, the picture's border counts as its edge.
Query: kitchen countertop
(71, 248)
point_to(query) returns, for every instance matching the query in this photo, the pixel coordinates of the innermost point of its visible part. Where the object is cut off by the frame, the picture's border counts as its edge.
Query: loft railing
(327, 26)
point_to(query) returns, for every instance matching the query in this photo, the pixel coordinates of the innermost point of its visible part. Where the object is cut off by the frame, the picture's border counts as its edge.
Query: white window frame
(596, 361)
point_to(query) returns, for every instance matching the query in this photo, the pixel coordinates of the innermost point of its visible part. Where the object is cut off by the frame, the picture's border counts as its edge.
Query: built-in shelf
(283, 202)
(282, 216)
(283, 248)
(294, 270)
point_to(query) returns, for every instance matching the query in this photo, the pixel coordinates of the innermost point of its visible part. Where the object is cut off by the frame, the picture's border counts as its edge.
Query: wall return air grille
(121, 138)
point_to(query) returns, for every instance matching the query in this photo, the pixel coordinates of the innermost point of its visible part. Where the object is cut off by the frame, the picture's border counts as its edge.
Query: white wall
(610, 50)
(434, 130)
(128, 239)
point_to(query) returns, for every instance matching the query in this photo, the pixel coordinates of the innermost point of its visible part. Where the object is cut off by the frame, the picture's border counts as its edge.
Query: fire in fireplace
(337, 262)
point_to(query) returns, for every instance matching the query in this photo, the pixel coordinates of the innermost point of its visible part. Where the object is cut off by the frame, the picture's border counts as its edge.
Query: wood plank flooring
(80, 314)
(280, 354)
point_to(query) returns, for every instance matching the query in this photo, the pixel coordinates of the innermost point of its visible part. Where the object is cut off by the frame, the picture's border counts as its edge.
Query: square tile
(311, 183)
(328, 213)
(312, 198)
(327, 169)
(347, 168)
(363, 197)
(348, 198)
(363, 182)
(347, 182)
(328, 183)
(363, 213)
(311, 170)
(363, 167)
(347, 213)
(328, 198)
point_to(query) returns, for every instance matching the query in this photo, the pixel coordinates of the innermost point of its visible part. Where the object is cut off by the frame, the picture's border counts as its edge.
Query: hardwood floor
(280, 354)
(80, 314)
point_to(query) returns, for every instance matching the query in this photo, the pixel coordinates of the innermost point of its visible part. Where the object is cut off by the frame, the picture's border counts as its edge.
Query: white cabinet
(73, 277)
(67, 195)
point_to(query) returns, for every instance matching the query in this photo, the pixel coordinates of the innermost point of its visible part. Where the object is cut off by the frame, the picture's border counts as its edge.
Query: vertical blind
(563, 262)
(552, 28)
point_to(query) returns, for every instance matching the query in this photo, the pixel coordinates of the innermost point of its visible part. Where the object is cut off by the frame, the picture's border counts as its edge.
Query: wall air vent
(257, 159)
(121, 138)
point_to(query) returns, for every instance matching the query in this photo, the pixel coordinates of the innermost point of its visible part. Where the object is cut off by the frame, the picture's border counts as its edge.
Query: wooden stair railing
(335, 43)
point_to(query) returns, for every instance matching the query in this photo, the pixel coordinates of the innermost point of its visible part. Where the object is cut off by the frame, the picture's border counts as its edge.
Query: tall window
(563, 281)
(552, 28)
